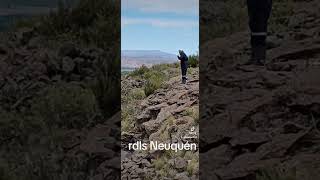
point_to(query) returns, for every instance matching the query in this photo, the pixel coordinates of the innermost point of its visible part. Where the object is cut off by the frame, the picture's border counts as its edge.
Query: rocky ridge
(254, 118)
(164, 116)
(88, 148)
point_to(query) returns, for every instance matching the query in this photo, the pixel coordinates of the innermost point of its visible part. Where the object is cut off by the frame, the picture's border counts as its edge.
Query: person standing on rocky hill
(259, 13)
(184, 65)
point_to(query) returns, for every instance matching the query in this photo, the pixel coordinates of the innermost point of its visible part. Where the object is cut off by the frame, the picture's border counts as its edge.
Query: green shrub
(193, 61)
(9, 125)
(282, 10)
(162, 166)
(152, 84)
(154, 80)
(107, 86)
(127, 118)
(176, 65)
(67, 106)
(222, 18)
(137, 94)
(274, 174)
(140, 71)
(88, 22)
(154, 76)
(5, 172)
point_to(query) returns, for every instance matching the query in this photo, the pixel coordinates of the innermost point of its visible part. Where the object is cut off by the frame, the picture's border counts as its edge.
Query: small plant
(162, 166)
(192, 112)
(281, 11)
(153, 82)
(193, 61)
(127, 119)
(193, 166)
(275, 174)
(106, 85)
(137, 94)
(140, 71)
(67, 106)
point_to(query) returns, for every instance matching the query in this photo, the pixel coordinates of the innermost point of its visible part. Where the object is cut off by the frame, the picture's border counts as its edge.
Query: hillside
(59, 95)
(262, 123)
(164, 115)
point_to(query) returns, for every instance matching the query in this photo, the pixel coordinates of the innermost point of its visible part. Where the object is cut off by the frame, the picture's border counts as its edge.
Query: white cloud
(165, 23)
(163, 6)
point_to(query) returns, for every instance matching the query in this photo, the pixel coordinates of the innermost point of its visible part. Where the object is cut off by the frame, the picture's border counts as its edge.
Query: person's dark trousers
(184, 68)
(259, 13)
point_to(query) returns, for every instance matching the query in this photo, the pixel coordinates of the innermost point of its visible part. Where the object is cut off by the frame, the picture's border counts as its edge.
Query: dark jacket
(183, 57)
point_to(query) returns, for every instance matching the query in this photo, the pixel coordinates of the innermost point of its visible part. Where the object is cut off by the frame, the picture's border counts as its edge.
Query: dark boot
(259, 55)
(184, 80)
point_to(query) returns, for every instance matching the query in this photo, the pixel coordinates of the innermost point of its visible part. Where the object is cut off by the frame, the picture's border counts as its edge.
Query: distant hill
(137, 58)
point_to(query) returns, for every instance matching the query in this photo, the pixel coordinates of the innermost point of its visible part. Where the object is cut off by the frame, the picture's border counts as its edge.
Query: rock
(272, 80)
(95, 142)
(184, 120)
(73, 139)
(176, 97)
(144, 116)
(181, 176)
(273, 42)
(280, 66)
(3, 49)
(157, 107)
(23, 35)
(183, 107)
(97, 149)
(124, 155)
(67, 65)
(35, 42)
(151, 126)
(180, 163)
(172, 172)
(97, 177)
(70, 50)
(216, 158)
(296, 52)
(113, 163)
(164, 114)
(246, 137)
(115, 119)
(243, 166)
(296, 20)
(279, 145)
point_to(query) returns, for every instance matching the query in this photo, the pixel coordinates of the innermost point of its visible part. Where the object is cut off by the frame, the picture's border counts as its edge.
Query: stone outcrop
(164, 116)
(253, 117)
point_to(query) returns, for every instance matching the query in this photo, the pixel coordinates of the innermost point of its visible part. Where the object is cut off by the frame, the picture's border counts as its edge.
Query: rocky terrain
(164, 116)
(256, 119)
(59, 103)
(45, 91)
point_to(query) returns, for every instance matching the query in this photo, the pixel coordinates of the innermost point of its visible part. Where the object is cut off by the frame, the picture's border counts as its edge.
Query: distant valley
(131, 59)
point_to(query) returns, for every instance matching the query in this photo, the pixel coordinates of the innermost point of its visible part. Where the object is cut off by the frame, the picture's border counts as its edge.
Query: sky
(166, 25)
